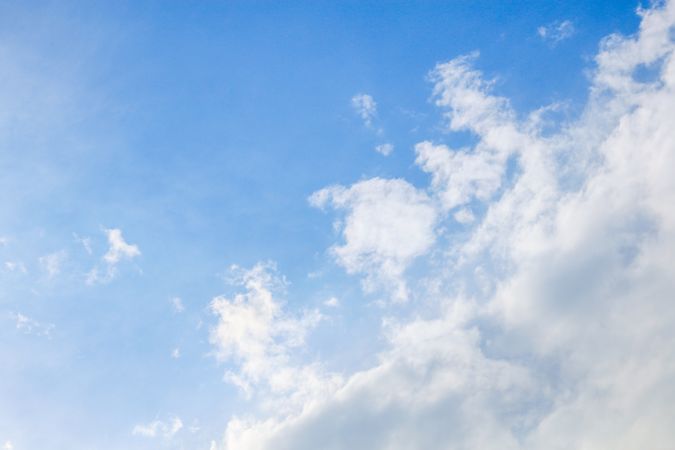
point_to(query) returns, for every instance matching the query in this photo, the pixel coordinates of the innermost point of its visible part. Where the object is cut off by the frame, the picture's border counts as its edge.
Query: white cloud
(15, 266)
(464, 216)
(332, 302)
(175, 353)
(556, 31)
(85, 241)
(177, 305)
(52, 262)
(30, 326)
(159, 428)
(254, 331)
(388, 224)
(384, 149)
(568, 342)
(8, 446)
(365, 107)
(118, 250)
(460, 176)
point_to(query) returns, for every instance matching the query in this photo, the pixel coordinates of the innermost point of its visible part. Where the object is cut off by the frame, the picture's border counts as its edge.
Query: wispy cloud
(118, 250)
(332, 302)
(557, 31)
(365, 107)
(159, 428)
(52, 262)
(384, 149)
(15, 266)
(28, 325)
(177, 305)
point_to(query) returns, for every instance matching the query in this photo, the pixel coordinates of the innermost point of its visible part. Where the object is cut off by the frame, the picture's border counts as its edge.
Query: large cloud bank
(554, 325)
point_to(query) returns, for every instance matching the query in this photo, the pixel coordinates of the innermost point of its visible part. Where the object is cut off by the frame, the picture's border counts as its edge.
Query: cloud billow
(567, 342)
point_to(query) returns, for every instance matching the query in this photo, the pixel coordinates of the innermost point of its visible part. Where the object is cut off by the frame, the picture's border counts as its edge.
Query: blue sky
(225, 224)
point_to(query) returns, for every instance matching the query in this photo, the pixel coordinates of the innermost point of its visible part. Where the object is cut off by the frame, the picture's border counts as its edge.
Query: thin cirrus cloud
(573, 276)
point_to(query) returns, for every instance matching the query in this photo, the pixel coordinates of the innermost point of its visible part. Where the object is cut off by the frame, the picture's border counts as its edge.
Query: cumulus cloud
(159, 428)
(365, 107)
(554, 312)
(388, 224)
(556, 31)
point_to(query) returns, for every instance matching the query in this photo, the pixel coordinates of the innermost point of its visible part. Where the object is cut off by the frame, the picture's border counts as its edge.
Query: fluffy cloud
(554, 311)
(388, 224)
(254, 331)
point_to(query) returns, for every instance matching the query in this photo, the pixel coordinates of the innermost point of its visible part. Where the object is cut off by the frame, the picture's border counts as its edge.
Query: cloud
(52, 262)
(15, 266)
(557, 31)
(118, 250)
(8, 446)
(177, 305)
(384, 149)
(85, 241)
(30, 326)
(254, 331)
(332, 302)
(464, 216)
(365, 107)
(158, 428)
(553, 323)
(388, 224)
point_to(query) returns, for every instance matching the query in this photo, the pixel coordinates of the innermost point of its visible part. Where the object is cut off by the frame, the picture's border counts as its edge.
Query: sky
(355, 225)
